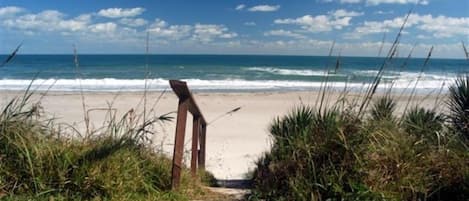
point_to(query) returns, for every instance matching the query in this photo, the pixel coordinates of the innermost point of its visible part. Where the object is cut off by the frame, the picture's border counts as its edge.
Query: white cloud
(439, 27)
(131, 22)
(108, 27)
(123, 29)
(121, 12)
(160, 29)
(421, 36)
(127, 32)
(350, 1)
(84, 17)
(55, 22)
(443, 26)
(320, 47)
(377, 2)
(48, 20)
(380, 12)
(204, 33)
(10, 10)
(240, 7)
(285, 33)
(159, 23)
(208, 32)
(344, 13)
(322, 23)
(264, 8)
(314, 47)
(250, 24)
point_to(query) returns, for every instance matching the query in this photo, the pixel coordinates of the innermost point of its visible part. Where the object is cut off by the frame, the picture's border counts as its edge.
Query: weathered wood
(182, 91)
(202, 139)
(199, 128)
(179, 142)
(180, 88)
(195, 144)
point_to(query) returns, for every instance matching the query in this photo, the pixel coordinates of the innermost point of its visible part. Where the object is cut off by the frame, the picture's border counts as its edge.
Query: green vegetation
(339, 153)
(38, 163)
(459, 106)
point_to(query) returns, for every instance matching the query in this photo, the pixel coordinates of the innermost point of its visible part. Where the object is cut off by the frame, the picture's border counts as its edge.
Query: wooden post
(202, 147)
(179, 143)
(195, 144)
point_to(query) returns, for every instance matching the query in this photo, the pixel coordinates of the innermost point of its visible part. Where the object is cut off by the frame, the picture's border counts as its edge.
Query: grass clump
(301, 165)
(459, 106)
(425, 124)
(118, 164)
(338, 154)
(383, 109)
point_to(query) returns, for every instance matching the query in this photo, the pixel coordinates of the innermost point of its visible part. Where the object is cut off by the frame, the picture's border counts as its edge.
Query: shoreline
(234, 141)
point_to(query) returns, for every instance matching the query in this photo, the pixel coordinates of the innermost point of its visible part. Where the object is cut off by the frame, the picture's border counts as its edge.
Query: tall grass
(354, 151)
(339, 155)
(389, 57)
(79, 77)
(36, 162)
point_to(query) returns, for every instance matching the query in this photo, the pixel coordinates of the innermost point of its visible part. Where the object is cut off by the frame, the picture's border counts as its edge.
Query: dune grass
(362, 150)
(337, 154)
(37, 161)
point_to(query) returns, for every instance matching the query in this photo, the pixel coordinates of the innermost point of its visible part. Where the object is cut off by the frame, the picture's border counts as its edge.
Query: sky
(270, 27)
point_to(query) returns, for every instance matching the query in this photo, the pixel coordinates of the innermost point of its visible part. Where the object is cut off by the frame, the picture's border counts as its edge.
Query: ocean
(223, 73)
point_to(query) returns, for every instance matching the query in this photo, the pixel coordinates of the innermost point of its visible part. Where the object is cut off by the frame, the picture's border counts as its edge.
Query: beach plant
(301, 165)
(458, 105)
(371, 90)
(331, 156)
(402, 167)
(38, 163)
(422, 70)
(332, 152)
(424, 123)
(383, 109)
(337, 154)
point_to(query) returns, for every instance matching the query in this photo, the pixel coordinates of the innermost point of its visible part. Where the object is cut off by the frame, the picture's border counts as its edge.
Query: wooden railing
(199, 129)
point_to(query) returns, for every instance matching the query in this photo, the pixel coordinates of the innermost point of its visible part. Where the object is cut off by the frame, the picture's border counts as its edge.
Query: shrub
(383, 109)
(301, 165)
(425, 124)
(335, 155)
(458, 104)
(116, 165)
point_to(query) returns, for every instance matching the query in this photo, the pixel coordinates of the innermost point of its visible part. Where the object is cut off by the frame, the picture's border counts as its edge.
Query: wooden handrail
(182, 91)
(199, 129)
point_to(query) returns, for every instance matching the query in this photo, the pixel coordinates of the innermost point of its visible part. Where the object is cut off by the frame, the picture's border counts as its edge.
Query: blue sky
(294, 27)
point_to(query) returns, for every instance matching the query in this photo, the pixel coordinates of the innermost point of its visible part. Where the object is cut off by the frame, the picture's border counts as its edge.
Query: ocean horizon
(223, 73)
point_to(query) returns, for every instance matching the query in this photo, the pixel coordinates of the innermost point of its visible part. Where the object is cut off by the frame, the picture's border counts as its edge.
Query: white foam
(405, 75)
(389, 75)
(282, 71)
(111, 84)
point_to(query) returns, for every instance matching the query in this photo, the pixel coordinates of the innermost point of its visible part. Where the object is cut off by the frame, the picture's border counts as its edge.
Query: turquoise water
(221, 72)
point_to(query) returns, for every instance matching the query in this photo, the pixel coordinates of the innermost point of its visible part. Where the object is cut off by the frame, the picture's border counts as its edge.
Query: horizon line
(214, 54)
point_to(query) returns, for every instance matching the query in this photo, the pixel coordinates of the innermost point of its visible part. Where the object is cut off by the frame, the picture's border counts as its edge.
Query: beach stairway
(237, 189)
